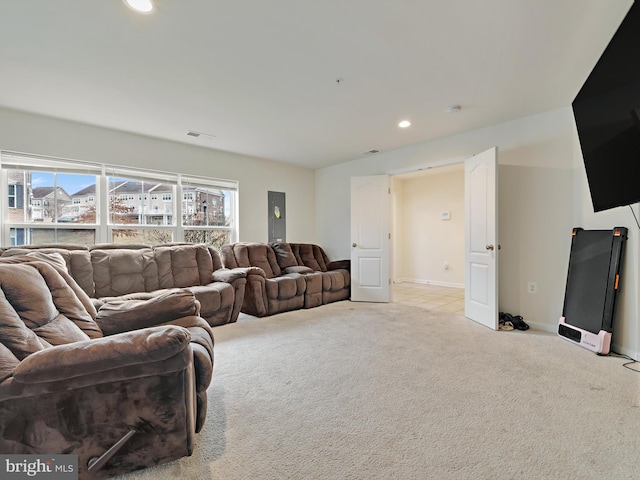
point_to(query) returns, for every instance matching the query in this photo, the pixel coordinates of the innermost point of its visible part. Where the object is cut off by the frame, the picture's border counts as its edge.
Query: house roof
(308, 83)
(42, 192)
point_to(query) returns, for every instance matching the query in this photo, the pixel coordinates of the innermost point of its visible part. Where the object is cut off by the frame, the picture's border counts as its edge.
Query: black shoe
(518, 323)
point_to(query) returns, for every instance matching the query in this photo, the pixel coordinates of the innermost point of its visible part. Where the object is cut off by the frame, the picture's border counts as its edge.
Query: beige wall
(423, 240)
(24, 132)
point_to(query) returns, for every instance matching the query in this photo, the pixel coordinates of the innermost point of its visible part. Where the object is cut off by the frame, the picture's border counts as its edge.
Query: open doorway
(372, 252)
(429, 243)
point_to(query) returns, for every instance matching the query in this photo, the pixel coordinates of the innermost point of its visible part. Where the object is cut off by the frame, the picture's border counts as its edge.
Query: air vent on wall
(193, 133)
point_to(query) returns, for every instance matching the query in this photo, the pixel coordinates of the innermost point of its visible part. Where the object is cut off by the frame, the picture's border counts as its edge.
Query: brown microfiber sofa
(107, 272)
(286, 276)
(124, 388)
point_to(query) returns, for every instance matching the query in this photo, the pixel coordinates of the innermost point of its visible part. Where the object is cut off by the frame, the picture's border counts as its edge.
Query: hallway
(430, 297)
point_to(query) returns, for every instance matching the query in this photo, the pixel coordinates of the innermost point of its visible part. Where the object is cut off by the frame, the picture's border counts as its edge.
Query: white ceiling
(261, 75)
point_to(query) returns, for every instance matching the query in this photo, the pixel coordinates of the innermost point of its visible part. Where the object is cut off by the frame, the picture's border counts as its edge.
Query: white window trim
(103, 230)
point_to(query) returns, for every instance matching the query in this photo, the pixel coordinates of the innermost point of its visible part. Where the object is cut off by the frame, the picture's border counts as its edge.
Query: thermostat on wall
(445, 216)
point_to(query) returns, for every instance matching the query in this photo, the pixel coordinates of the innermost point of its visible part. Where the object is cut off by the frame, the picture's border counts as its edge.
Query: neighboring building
(49, 203)
(17, 181)
(148, 203)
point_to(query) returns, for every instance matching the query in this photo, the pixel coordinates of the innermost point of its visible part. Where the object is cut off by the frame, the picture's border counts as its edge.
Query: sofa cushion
(118, 271)
(333, 281)
(286, 286)
(183, 265)
(259, 255)
(284, 255)
(310, 255)
(8, 362)
(38, 309)
(76, 258)
(54, 258)
(124, 315)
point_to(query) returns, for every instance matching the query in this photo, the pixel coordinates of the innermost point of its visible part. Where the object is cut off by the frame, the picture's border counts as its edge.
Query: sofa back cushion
(76, 257)
(118, 271)
(310, 255)
(244, 255)
(38, 309)
(183, 265)
(284, 255)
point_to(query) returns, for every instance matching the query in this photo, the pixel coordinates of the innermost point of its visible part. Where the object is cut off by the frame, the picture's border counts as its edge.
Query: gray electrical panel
(277, 217)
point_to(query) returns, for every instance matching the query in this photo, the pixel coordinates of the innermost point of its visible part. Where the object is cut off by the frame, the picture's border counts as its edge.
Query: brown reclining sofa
(108, 272)
(122, 387)
(287, 276)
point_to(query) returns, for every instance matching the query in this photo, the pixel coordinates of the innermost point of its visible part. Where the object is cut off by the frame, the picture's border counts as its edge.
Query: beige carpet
(386, 391)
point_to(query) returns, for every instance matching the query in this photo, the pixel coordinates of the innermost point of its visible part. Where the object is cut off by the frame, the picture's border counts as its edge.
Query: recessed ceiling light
(404, 124)
(142, 6)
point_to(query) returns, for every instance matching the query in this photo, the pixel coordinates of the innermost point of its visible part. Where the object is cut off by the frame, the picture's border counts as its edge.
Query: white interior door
(370, 232)
(481, 238)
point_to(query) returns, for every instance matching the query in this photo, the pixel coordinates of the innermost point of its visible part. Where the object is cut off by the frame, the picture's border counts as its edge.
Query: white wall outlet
(445, 216)
(532, 287)
(446, 265)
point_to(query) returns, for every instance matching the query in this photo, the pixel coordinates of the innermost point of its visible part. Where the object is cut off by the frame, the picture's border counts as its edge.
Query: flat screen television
(607, 115)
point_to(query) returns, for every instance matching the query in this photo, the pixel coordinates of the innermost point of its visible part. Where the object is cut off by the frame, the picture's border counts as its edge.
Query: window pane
(44, 236)
(216, 238)
(51, 197)
(138, 235)
(139, 202)
(83, 192)
(206, 205)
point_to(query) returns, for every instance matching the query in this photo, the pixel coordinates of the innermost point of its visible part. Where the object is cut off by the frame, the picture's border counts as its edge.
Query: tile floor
(430, 297)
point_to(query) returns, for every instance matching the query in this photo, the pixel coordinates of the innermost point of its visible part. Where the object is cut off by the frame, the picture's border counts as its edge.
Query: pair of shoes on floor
(506, 321)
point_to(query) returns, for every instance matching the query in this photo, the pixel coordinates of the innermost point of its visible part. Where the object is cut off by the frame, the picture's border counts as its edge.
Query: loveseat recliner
(108, 272)
(286, 276)
(79, 381)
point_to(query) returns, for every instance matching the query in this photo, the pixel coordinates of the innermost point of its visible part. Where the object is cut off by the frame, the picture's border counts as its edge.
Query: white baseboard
(428, 282)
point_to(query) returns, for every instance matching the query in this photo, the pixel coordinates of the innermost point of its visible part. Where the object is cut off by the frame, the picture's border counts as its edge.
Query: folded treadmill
(592, 286)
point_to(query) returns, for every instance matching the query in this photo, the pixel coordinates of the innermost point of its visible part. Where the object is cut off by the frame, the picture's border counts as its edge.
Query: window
(86, 203)
(16, 193)
(212, 217)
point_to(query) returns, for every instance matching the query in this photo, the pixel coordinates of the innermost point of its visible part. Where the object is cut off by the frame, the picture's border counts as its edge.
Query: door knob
(354, 245)
(489, 247)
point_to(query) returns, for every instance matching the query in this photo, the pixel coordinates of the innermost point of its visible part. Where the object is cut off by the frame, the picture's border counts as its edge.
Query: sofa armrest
(254, 271)
(297, 269)
(93, 357)
(117, 316)
(339, 264)
(228, 275)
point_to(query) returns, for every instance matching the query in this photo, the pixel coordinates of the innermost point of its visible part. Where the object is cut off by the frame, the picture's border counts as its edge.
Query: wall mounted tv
(607, 115)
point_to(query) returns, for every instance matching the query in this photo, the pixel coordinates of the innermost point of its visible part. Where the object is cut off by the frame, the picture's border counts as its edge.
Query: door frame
(431, 166)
